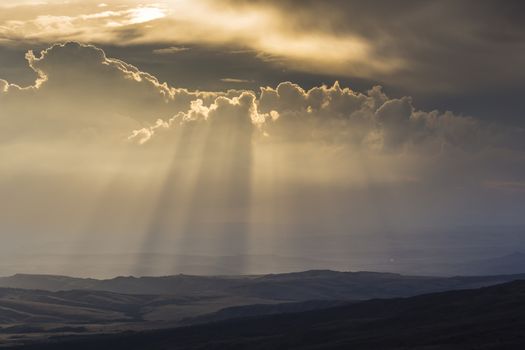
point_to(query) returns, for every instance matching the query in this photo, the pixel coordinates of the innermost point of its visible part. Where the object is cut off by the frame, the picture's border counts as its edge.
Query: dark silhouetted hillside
(486, 318)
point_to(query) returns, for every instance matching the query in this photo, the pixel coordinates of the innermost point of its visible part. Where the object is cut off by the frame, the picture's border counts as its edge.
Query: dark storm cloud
(464, 56)
(445, 44)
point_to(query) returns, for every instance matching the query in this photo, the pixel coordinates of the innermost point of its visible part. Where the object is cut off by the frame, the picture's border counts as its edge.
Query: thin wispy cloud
(170, 50)
(236, 80)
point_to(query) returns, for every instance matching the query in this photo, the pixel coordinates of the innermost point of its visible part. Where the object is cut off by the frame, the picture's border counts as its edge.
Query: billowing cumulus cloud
(79, 90)
(81, 93)
(341, 117)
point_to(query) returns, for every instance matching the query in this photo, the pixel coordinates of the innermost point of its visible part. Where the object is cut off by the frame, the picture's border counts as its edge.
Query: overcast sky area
(302, 128)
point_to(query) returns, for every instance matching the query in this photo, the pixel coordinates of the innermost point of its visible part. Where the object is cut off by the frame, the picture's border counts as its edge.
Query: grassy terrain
(486, 318)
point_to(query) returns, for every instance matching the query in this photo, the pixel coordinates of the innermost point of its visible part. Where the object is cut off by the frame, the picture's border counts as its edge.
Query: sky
(306, 128)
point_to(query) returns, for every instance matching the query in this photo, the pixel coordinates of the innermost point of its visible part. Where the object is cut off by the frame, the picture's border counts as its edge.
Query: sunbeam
(287, 173)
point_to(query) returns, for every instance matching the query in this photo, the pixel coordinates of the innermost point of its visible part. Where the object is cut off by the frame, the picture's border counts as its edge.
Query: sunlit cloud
(170, 50)
(269, 32)
(95, 26)
(141, 15)
(22, 3)
(348, 39)
(257, 28)
(236, 80)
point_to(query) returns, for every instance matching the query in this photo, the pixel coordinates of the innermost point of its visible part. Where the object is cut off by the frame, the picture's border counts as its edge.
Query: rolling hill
(487, 318)
(129, 303)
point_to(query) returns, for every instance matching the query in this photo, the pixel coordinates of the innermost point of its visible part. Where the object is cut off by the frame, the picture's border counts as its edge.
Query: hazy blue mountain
(47, 282)
(108, 265)
(508, 264)
(513, 263)
(407, 261)
(298, 286)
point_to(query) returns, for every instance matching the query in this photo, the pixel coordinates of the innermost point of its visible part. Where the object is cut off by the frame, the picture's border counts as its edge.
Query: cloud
(347, 39)
(79, 88)
(170, 50)
(338, 115)
(236, 80)
(453, 55)
(258, 28)
(24, 3)
(238, 113)
(134, 104)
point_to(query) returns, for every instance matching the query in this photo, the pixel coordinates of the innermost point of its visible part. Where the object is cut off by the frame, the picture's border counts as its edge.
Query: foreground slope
(487, 318)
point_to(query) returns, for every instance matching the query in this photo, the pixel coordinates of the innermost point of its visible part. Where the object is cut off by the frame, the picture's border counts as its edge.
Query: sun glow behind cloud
(145, 14)
(253, 27)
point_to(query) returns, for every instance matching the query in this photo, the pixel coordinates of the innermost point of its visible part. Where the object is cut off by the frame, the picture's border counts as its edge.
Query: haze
(322, 131)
